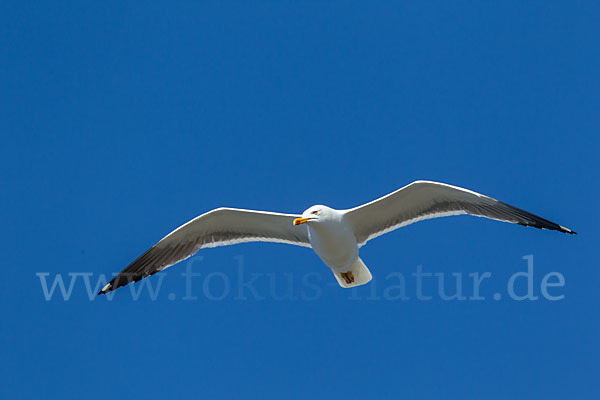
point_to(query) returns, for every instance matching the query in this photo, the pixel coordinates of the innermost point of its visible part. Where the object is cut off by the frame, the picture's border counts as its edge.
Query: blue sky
(122, 120)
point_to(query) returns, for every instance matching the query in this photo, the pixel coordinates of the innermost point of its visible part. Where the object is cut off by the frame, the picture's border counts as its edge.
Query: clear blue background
(121, 120)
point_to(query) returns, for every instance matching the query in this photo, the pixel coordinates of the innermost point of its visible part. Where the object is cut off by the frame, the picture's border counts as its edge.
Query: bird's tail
(358, 275)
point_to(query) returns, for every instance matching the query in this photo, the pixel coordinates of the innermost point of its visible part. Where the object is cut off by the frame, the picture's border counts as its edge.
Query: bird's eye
(315, 212)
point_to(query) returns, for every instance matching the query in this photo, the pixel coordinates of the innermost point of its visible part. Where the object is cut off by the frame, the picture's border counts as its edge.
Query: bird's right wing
(219, 227)
(423, 200)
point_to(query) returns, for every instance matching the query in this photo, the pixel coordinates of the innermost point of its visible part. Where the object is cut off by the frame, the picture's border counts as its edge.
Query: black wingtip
(106, 289)
(567, 230)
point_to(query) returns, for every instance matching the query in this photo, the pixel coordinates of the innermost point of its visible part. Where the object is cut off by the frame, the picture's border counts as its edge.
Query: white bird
(335, 235)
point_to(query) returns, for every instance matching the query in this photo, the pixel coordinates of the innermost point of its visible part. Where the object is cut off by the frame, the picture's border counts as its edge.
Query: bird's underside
(417, 201)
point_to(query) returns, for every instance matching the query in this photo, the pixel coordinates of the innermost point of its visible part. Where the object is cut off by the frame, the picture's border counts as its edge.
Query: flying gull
(335, 235)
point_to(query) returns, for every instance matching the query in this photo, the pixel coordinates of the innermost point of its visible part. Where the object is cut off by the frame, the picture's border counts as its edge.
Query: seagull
(335, 235)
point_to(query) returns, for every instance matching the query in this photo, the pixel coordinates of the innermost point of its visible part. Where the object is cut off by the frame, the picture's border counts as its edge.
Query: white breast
(334, 242)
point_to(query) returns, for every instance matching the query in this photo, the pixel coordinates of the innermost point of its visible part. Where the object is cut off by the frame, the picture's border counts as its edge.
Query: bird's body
(335, 235)
(333, 240)
(335, 243)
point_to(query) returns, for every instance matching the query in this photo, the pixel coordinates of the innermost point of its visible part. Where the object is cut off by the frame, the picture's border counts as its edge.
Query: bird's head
(313, 214)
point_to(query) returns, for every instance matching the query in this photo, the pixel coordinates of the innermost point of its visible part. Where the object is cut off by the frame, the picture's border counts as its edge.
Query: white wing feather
(424, 200)
(219, 227)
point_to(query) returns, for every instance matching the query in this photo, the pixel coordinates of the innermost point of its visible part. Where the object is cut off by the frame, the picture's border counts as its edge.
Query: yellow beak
(299, 221)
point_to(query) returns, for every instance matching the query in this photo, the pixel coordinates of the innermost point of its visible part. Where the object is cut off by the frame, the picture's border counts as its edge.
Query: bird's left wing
(219, 227)
(424, 200)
